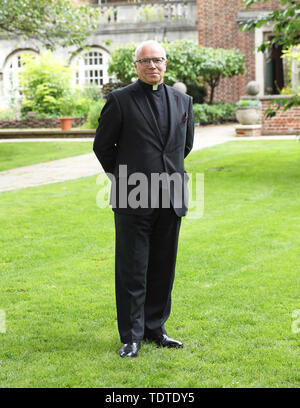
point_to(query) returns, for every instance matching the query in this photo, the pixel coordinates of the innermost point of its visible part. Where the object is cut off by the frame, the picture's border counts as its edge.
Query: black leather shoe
(166, 341)
(130, 349)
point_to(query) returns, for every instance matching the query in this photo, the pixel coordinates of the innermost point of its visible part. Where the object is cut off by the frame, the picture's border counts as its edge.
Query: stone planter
(248, 115)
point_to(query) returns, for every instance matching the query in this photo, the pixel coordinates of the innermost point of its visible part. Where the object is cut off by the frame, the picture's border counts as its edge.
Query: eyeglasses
(156, 61)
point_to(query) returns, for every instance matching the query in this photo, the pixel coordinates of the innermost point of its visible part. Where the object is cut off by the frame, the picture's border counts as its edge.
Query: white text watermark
(156, 190)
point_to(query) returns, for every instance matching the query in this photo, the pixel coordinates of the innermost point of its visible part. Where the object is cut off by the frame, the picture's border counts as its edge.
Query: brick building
(219, 23)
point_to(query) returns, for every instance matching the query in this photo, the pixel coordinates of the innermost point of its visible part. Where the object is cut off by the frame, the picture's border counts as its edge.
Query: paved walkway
(88, 165)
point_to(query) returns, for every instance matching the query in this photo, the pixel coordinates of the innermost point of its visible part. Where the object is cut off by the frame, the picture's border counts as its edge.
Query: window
(10, 75)
(91, 68)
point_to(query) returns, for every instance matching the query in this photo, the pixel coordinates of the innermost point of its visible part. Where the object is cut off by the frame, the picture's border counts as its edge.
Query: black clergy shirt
(159, 104)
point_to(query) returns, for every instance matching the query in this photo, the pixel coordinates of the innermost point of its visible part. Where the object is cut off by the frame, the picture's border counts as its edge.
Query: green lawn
(25, 153)
(236, 288)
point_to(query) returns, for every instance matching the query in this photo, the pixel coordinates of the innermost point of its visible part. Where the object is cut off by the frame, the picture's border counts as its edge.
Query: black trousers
(145, 258)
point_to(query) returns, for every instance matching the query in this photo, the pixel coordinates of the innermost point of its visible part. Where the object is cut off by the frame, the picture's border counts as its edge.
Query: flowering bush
(287, 91)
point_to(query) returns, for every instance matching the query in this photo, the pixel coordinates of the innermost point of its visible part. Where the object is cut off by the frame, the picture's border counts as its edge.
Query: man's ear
(166, 62)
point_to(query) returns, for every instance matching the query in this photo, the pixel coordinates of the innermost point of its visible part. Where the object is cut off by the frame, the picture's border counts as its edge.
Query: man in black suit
(145, 131)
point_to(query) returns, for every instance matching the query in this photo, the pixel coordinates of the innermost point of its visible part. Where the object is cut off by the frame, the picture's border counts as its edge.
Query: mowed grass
(26, 153)
(236, 286)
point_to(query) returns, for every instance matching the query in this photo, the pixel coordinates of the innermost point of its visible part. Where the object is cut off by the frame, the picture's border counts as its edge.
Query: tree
(121, 63)
(53, 22)
(183, 62)
(286, 23)
(193, 64)
(217, 63)
(286, 29)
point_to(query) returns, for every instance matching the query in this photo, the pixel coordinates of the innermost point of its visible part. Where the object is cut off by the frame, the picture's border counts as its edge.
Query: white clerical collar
(149, 87)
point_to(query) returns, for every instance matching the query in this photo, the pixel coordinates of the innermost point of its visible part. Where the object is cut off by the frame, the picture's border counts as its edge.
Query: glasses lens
(156, 61)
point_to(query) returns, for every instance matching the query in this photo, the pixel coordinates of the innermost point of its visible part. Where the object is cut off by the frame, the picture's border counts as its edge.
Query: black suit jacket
(128, 134)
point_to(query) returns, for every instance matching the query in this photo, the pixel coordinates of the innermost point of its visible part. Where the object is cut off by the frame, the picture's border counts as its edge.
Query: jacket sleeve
(108, 133)
(190, 130)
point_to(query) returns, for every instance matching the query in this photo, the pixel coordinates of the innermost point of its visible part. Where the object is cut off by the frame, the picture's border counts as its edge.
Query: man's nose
(151, 64)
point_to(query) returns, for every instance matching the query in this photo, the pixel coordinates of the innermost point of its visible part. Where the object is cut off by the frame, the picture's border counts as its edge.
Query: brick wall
(218, 28)
(284, 123)
(36, 123)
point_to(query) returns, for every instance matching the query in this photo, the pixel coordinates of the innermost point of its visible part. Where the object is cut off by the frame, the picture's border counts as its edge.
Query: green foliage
(285, 20)
(46, 84)
(7, 114)
(219, 112)
(93, 115)
(216, 63)
(183, 62)
(91, 92)
(121, 63)
(53, 22)
(248, 102)
(44, 81)
(77, 103)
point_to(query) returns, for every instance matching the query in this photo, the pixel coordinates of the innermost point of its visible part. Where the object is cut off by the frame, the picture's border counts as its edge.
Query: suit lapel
(144, 106)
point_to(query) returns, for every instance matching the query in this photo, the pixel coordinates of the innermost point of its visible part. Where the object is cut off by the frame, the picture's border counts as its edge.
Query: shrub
(93, 115)
(200, 115)
(43, 82)
(219, 112)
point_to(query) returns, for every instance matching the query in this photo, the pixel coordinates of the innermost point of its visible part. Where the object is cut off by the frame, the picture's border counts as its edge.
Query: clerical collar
(157, 87)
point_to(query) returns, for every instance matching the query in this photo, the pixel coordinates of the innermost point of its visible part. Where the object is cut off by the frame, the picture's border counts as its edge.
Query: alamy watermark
(138, 190)
(2, 321)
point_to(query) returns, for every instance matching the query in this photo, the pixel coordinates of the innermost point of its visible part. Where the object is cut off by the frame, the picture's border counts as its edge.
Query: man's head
(150, 71)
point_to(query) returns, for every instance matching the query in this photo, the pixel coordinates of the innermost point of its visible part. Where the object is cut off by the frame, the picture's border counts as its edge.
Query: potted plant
(248, 111)
(66, 108)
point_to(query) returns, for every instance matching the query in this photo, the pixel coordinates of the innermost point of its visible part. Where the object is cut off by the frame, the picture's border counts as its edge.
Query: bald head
(149, 43)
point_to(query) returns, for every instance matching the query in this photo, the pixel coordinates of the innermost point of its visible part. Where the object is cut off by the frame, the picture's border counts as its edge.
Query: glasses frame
(146, 61)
